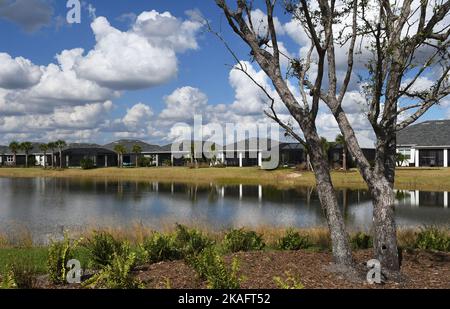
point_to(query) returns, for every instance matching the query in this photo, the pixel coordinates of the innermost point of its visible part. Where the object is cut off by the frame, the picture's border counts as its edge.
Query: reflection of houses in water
(418, 198)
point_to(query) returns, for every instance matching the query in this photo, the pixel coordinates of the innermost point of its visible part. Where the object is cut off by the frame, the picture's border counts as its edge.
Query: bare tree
(304, 112)
(393, 73)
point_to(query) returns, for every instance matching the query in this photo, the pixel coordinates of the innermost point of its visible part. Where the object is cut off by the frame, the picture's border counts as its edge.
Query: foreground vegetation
(112, 258)
(427, 179)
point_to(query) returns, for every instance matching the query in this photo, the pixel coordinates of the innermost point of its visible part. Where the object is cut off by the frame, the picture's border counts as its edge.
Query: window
(406, 152)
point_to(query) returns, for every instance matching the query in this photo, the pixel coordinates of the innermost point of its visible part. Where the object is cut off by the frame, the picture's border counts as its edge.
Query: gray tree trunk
(339, 239)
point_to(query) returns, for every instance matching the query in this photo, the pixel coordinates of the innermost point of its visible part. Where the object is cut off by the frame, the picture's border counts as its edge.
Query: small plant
(117, 275)
(159, 247)
(59, 253)
(8, 280)
(432, 238)
(242, 240)
(87, 164)
(191, 241)
(293, 240)
(361, 241)
(291, 283)
(101, 247)
(21, 274)
(210, 265)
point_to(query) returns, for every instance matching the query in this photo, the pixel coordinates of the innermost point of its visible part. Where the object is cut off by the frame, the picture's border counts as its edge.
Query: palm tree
(26, 147)
(44, 149)
(60, 144)
(340, 140)
(137, 149)
(14, 146)
(120, 150)
(51, 146)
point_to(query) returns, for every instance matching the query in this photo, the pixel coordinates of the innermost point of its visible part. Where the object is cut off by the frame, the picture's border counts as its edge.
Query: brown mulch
(420, 269)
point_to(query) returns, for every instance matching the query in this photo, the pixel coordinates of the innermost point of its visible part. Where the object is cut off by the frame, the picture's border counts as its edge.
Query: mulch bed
(419, 269)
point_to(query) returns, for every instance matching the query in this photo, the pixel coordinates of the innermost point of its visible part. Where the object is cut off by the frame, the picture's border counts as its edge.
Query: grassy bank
(427, 179)
(190, 258)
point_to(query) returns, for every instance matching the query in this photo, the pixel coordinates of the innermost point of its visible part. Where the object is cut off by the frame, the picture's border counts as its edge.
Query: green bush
(117, 275)
(210, 265)
(59, 253)
(159, 247)
(291, 283)
(21, 274)
(101, 247)
(87, 164)
(361, 240)
(191, 241)
(242, 240)
(293, 240)
(144, 162)
(432, 238)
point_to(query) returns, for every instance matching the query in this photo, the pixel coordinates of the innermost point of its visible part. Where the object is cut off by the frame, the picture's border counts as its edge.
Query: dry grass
(427, 179)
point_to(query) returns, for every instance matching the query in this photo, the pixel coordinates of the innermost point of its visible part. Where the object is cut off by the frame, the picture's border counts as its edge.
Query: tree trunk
(344, 159)
(137, 161)
(385, 238)
(45, 160)
(60, 159)
(15, 160)
(26, 160)
(340, 245)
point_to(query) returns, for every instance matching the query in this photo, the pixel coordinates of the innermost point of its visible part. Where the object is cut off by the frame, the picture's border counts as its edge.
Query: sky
(138, 69)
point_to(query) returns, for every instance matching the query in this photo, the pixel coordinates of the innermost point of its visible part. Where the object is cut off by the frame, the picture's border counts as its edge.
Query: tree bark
(344, 158)
(327, 195)
(385, 238)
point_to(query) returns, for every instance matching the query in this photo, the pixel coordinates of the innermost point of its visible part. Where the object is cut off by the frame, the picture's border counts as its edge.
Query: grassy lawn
(36, 256)
(431, 179)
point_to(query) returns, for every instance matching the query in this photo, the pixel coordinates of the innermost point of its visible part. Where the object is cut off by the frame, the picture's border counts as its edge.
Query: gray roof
(426, 134)
(128, 144)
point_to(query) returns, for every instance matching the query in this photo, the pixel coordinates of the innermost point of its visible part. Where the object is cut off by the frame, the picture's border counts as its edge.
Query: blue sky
(190, 71)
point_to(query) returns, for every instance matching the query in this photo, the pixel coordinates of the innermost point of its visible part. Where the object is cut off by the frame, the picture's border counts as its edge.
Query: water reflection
(47, 206)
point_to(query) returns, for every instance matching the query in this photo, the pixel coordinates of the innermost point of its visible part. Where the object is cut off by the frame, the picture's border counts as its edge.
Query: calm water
(47, 206)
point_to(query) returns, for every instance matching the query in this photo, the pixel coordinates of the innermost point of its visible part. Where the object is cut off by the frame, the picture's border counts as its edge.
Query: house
(35, 156)
(249, 152)
(425, 144)
(74, 153)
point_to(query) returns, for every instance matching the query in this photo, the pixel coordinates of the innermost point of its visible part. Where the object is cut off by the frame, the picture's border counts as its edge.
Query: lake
(47, 206)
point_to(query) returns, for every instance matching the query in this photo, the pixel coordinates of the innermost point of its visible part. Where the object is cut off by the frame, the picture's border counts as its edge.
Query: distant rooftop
(428, 133)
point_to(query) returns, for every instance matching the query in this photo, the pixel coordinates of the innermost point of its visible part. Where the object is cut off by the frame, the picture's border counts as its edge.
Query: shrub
(87, 164)
(144, 162)
(8, 281)
(361, 241)
(159, 247)
(432, 238)
(117, 275)
(291, 283)
(59, 253)
(211, 266)
(102, 247)
(191, 241)
(242, 240)
(293, 241)
(21, 274)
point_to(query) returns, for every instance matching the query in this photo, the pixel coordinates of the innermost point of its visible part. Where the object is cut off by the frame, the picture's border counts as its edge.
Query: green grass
(427, 179)
(37, 255)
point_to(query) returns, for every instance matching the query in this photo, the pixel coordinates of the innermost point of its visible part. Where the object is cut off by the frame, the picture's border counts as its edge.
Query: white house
(425, 144)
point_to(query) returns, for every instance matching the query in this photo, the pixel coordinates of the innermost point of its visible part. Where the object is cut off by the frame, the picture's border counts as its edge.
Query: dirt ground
(422, 270)
(419, 269)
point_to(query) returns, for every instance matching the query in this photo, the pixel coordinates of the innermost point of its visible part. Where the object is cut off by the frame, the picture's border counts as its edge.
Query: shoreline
(425, 179)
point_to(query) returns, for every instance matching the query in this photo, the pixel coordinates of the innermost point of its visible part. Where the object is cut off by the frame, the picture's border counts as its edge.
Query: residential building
(425, 144)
